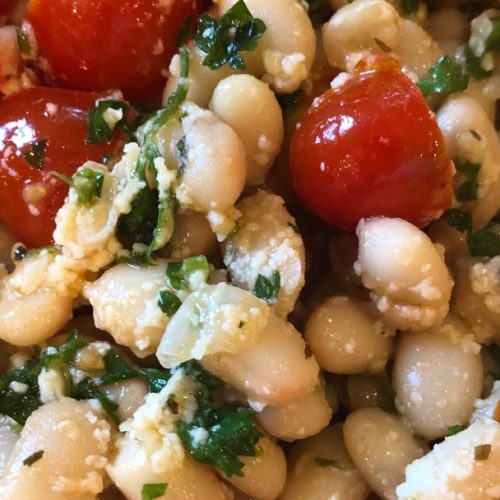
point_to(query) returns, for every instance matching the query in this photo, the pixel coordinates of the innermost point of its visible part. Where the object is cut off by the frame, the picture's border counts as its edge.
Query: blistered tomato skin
(110, 44)
(30, 196)
(371, 148)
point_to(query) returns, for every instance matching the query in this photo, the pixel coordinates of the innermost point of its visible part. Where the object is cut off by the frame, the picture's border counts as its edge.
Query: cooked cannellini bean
(407, 276)
(264, 475)
(358, 29)
(68, 445)
(9, 434)
(346, 336)
(475, 296)
(463, 466)
(437, 377)
(192, 236)
(267, 241)
(300, 418)
(213, 319)
(453, 241)
(320, 468)
(287, 48)
(125, 304)
(128, 395)
(366, 391)
(202, 79)
(449, 28)
(250, 107)
(462, 119)
(214, 151)
(274, 370)
(381, 447)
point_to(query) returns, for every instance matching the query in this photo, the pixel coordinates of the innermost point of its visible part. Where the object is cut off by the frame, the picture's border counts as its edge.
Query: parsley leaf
(268, 288)
(99, 129)
(460, 220)
(178, 273)
(34, 457)
(181, 153)
(446, 76)
(485, 242)
(36, 155)
(168, 302)
(138, 259)
(86, 182)
(482, 452)
(223, 39)
(156, 379)
(151, 491)
(409, 6)
(455, 429)
(468, 190)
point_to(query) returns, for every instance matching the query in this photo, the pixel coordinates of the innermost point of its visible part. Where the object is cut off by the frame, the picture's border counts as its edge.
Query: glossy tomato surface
(108, 44)
(30, 195)
(371, 147)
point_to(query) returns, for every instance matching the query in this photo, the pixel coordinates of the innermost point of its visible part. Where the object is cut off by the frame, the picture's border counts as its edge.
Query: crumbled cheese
(284, 72)
(18, 387)
(112, 116)
(488, 409)
(52, 385)
(199, 436)
(481, 28)
(267, 241)
(485, 280)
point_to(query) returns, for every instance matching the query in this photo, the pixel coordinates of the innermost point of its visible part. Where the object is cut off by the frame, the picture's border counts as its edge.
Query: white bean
(267, 241)
(250, 107)
(461, 119)
(381, 447)
(264, 475)
(74, 441)
(192, 236)
(407, 276)
(437, 377)
(288, 46)
(202, 79)
(320, 468)
(358, 29)
(8, 438)
(450, 470)
(125, 304)
(453, 241)
(128, 395)
(214, 151)
(449, 28)
(346, 336)
(300, 418)
(274, 370)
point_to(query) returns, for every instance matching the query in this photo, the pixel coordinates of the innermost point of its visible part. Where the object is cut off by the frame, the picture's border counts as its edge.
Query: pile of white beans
(392, 351)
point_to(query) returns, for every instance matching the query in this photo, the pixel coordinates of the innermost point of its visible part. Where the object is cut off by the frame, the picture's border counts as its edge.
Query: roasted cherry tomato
(41, 130)
(109, 44)
(371, 147)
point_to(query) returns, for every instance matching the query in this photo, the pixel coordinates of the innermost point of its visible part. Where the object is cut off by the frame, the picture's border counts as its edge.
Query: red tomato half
(31, 196)
(371, 147)
(108, 44)
(6, 6)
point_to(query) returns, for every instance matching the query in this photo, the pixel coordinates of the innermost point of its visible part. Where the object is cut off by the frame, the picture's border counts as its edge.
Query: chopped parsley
(34, 457)
(231, 429)
(36, 155)
(223, 39)
(86, 182)
(326, 462)
(446, 76)
(99, 129)
(156, 379)
(178, 273)
(409, 6)
(468, 190)
(23, 42)
(181, 153)
(21, 252)
(168, 302)
(482, 452)
(151, 491)
(455, 429)
(484, 242)
(268, 289)
(138, 259)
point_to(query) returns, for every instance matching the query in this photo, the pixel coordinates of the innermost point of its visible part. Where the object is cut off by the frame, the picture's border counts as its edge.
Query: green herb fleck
(23, 42)
(151, 491)
(458, 219)
(29, 461)
(156, 379)
(181, 153)
(475, 134)
(223, 39)
(409, 6)
(86, 182)
(326, 462)
(446, 76)
(178, 273)
(268, 288)
(168, 302)
(98, 128)
(455, 429)
(482, 452)
(468, 190)
(36, 155)
(486, 241)
(138, 259)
